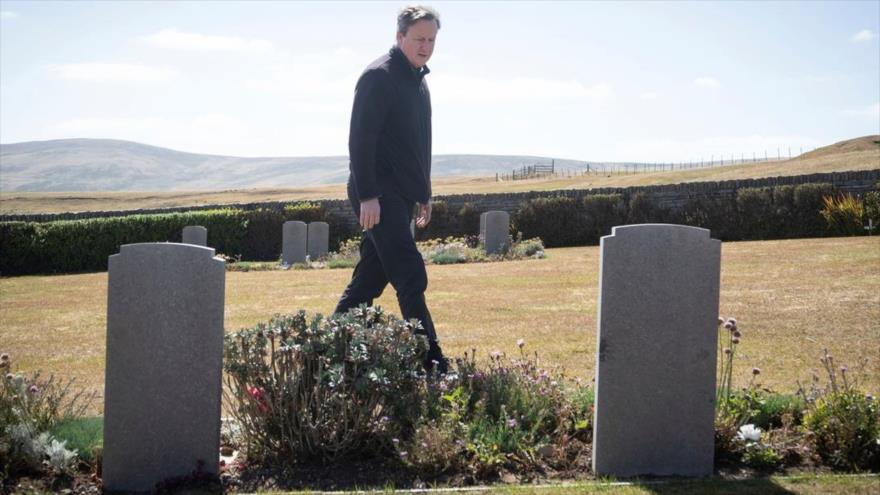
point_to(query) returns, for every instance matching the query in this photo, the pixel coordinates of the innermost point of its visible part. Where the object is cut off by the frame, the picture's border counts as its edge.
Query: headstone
(293, 244)
(195, 234)
(164, 363)
(495, 231)
(657, 337)
(319, 239)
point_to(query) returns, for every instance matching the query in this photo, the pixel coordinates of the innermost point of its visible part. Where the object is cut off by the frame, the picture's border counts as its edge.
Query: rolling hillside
(75, 165)
(454, 174)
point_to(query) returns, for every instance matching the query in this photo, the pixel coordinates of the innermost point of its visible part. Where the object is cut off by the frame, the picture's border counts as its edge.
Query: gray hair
(413, 14)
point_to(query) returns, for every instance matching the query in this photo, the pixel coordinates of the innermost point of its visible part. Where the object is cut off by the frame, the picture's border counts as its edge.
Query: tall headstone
(319, 239)
(657, 337)
(195, 234)
(293, 242)
(495, 231)
(164, 363)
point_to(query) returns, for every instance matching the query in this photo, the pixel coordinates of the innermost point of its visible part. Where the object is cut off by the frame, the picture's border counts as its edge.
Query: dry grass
(107, 201)
(792, 299)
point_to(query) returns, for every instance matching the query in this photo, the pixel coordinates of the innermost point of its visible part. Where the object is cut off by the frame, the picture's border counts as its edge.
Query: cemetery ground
(792, 299)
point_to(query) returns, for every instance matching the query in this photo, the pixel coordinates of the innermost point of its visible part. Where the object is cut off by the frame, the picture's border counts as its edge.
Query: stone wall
(671, 196)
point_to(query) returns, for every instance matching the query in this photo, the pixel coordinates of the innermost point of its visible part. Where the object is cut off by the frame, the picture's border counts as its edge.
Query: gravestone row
(298, 240)
(655, 365)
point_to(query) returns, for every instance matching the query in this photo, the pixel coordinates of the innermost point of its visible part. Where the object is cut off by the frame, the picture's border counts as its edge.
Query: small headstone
(495, 231)
(657, 337)
(195, 234)
(293, 244)
(164, 363)
(319, 239)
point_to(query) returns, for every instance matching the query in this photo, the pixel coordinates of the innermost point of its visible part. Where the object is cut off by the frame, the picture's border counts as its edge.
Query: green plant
(845, 421)
(30, 406)
(84, 435)
(326, 387)
(844, 214)
(760, 455)
(872, 206)
(772, 408)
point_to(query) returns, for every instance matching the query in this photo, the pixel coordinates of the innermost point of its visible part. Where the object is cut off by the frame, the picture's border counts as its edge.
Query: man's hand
(424, 216)
(370, 213)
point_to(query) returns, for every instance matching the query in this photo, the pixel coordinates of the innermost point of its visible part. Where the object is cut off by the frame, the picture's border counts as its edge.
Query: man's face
(418, 42)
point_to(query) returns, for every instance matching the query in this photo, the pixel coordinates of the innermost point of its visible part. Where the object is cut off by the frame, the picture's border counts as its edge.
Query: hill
(855, 154)
(76, 165)
(857, 145)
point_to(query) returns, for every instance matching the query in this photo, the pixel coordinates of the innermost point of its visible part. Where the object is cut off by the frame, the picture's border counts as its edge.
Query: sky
(594, 81)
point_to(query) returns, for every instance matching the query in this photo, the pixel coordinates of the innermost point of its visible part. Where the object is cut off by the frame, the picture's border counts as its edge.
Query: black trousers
(389, 255)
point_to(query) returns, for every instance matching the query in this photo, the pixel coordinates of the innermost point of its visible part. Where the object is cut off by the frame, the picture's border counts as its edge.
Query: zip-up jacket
(389, 140)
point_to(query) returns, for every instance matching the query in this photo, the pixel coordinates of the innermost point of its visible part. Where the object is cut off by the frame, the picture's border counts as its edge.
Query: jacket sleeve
(372, 101)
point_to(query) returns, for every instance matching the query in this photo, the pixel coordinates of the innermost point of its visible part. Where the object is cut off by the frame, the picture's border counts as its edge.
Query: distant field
(792, 298)
(97, 201)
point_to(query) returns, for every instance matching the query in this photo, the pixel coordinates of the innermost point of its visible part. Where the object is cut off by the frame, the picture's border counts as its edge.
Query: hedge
(781, 212)
(69, 246)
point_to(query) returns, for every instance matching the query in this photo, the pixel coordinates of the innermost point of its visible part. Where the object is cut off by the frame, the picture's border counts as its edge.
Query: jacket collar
(403, 64)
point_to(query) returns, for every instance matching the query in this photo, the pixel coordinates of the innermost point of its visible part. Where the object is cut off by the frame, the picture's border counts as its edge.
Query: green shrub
(846, 428)
(84, 245)
(844, 421)
(761, 456)
(757, 214)
(348, 254)
(504, 413)
(85, 435)
(718, 214)
(807, 204)
(844, 214)
(771, 409)
(324, 388)
(30, 407)
(642, 209)
(602, 211)
(872, 206)
(565, 221)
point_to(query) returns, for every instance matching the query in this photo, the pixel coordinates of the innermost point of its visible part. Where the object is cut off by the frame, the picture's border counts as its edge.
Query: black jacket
(389, 140)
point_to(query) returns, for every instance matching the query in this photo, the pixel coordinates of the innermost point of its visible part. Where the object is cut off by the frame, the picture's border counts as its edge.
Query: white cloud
(179, 40)
(650, 95)
(868, 111)
(311, 82)
(469, 89)
(863, 36)
(7, 14)
(707, 82)
(103, 72)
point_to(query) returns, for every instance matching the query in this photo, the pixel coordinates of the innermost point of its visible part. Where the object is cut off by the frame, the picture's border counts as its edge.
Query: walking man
(389, 147)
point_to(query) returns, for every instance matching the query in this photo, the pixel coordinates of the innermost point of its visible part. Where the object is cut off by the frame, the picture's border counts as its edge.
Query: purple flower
(496, 354)
(520, 343)
(33, 389)
(511, 423)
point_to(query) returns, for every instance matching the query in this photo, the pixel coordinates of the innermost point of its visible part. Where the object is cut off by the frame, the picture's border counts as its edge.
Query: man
(390, 174)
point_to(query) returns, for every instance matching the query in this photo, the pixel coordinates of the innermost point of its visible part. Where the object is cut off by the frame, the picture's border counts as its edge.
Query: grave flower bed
(450, 250)
(343, 403)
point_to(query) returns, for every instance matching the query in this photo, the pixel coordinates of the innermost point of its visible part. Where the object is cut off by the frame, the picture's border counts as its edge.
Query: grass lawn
(775, 485)
(792, 298)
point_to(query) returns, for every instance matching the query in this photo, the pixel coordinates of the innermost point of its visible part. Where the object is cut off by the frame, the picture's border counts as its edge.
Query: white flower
(749, 433)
